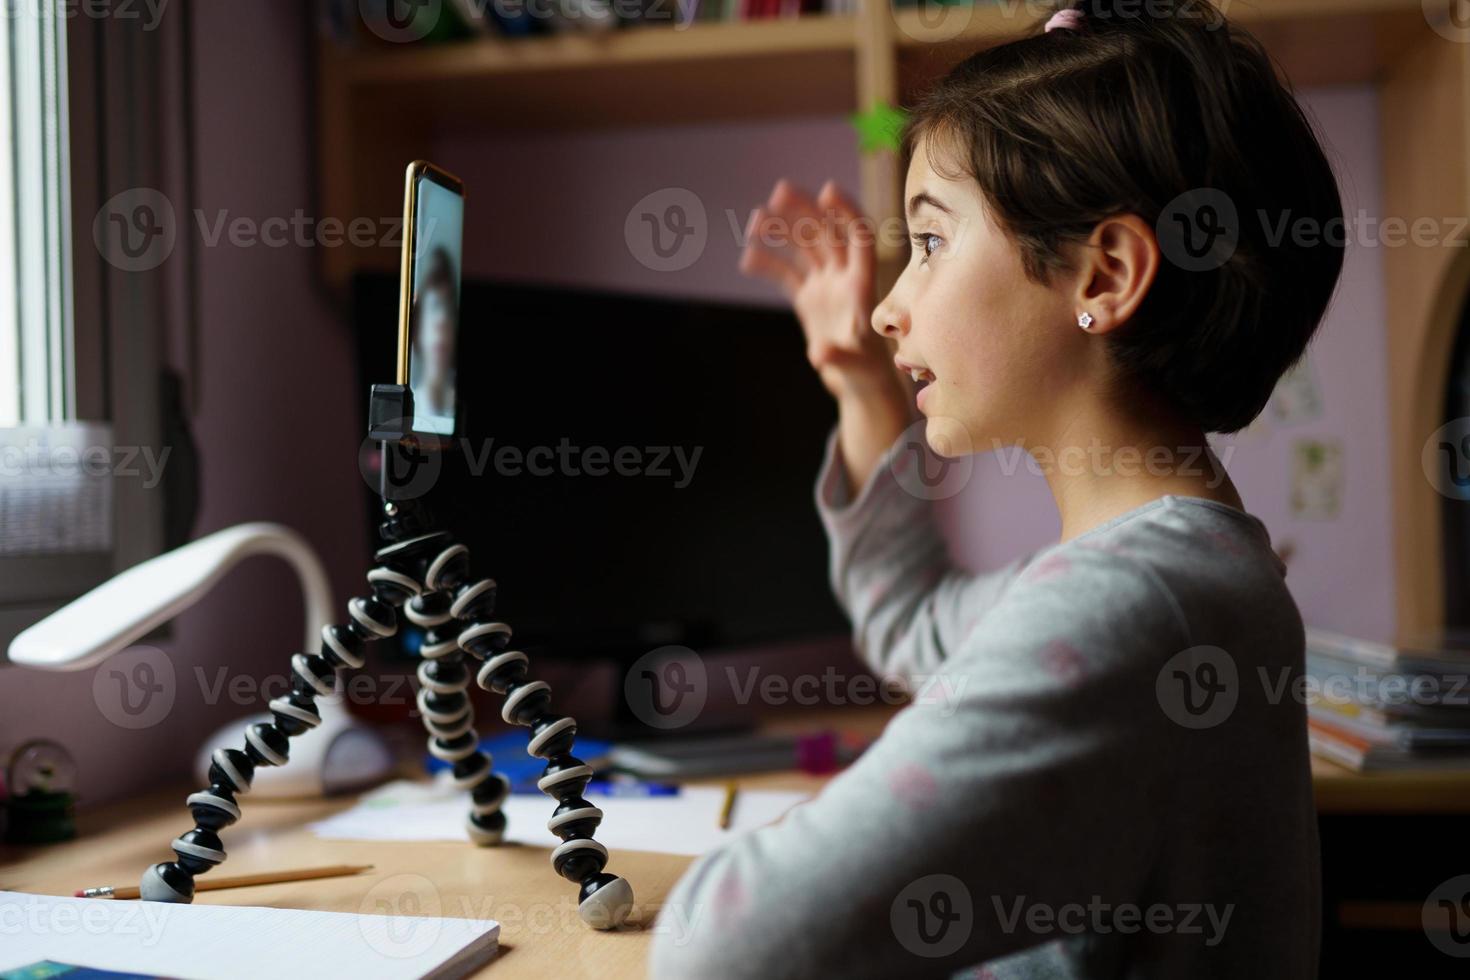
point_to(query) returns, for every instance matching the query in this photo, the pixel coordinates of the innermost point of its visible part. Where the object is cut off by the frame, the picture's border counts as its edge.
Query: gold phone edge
(405, 284)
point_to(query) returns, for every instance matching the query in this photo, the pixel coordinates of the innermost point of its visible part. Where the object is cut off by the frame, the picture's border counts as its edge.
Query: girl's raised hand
(821, 253)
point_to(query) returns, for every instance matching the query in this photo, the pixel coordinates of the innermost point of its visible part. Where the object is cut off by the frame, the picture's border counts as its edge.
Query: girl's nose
(889, 320)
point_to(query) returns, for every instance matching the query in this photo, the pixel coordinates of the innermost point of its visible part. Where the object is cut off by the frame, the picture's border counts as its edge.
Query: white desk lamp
(337, 755)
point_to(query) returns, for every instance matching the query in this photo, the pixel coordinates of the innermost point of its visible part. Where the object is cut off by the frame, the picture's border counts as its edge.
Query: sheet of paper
(683, 824)
(225, 942)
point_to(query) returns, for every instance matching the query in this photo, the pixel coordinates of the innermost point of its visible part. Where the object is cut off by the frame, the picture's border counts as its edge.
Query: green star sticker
(879, 128)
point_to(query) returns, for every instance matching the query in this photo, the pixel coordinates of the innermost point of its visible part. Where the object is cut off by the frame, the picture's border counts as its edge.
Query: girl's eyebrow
(924, 197)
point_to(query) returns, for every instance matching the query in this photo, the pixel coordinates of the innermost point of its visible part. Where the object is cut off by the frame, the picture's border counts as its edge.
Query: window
(36, 350)
(69, 517)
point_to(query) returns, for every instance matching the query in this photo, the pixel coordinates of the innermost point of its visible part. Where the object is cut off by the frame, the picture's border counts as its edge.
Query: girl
(435, 323)
(1102, 772)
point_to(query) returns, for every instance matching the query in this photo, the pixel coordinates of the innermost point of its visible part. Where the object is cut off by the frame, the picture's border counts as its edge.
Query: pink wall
(1342, 570)
(554, 209)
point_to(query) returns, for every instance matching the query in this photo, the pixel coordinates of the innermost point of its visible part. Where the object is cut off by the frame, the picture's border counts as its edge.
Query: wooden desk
(1342, 791)
(540, 932)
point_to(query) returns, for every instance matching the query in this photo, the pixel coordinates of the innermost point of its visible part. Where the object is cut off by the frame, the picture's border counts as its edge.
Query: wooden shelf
(635, 76)
(1316, 42)
(975, 26)
(380, 106)
(636, 45)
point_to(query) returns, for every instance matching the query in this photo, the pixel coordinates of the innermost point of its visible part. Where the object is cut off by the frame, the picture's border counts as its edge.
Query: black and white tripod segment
(428, 577)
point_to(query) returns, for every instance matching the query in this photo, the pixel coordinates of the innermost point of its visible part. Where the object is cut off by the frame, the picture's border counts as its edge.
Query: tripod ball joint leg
(231, 771)
(604, 900)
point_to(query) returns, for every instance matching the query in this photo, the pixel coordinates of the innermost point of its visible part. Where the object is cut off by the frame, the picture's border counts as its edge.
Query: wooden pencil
(238, 881)
(729, 807)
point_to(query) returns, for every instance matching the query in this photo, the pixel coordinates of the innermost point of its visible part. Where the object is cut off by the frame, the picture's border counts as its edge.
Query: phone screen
(429, 319)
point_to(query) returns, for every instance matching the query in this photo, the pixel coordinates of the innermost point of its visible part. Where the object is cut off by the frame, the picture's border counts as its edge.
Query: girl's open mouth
(921, 375)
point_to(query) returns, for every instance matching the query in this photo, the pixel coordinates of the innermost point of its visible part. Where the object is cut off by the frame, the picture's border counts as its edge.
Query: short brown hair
(1148, 106)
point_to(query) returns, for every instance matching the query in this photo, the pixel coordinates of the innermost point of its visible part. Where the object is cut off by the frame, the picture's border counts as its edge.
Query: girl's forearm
(869, 420)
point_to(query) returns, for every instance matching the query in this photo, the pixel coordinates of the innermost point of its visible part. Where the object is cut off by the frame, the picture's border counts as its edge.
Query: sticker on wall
(880, 128)
(1297, 398)
(1316, 479)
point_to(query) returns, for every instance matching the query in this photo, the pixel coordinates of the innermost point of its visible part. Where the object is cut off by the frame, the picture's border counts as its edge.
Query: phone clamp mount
(423, 574)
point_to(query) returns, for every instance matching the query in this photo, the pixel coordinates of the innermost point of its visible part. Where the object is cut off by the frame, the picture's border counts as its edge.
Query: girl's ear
(1119, 264)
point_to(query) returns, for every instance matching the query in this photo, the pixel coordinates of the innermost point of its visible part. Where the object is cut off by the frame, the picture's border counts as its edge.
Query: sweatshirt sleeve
(910, 607)
(921, 858)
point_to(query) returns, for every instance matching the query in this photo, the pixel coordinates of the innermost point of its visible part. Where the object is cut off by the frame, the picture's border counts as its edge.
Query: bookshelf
(1317, 42)
(377, 106)
(710, 72)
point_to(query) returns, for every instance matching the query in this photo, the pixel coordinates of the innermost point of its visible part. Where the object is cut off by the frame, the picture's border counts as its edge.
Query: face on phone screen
(434, 312)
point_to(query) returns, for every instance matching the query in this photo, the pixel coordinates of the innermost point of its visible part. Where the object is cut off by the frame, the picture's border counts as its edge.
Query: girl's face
(999, 352)
(437, 331)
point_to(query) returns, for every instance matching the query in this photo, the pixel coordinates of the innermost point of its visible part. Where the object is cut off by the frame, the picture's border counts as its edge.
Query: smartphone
(429, 295)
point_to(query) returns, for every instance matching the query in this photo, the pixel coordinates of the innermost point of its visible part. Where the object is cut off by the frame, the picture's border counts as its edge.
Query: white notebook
(688, 823)
(222, 942)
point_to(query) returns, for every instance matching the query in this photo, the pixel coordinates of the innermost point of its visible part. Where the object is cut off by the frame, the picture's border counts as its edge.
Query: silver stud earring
(1085, 321)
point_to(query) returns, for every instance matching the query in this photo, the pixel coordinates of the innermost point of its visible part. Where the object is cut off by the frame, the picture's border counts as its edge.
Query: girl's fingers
(759, 260)
(838, 216)
(804, 229)
(859, 233)
(773, 234)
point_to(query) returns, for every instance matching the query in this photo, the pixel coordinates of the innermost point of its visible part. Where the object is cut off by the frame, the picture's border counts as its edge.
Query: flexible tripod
(426, 574)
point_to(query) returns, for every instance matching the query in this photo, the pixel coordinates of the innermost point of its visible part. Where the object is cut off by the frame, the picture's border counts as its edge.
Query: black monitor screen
(635, 471)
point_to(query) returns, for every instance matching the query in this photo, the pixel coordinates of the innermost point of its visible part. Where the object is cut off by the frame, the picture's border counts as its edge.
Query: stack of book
(1378, 707)
(456, 20)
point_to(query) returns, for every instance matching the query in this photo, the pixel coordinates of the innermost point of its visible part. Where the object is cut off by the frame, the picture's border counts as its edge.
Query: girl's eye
(928, 242)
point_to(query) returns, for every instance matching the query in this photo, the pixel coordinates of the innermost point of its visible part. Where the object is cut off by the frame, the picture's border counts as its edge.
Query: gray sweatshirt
(1103, 771)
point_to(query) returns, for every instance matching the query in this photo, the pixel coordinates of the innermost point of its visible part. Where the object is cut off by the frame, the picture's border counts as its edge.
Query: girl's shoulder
(1185, 537)
(1181, 569)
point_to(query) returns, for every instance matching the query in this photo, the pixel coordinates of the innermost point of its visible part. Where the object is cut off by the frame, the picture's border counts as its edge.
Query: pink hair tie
(1070, 19)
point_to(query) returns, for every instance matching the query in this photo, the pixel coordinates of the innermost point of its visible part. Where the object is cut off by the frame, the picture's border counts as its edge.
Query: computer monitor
(636, 472)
